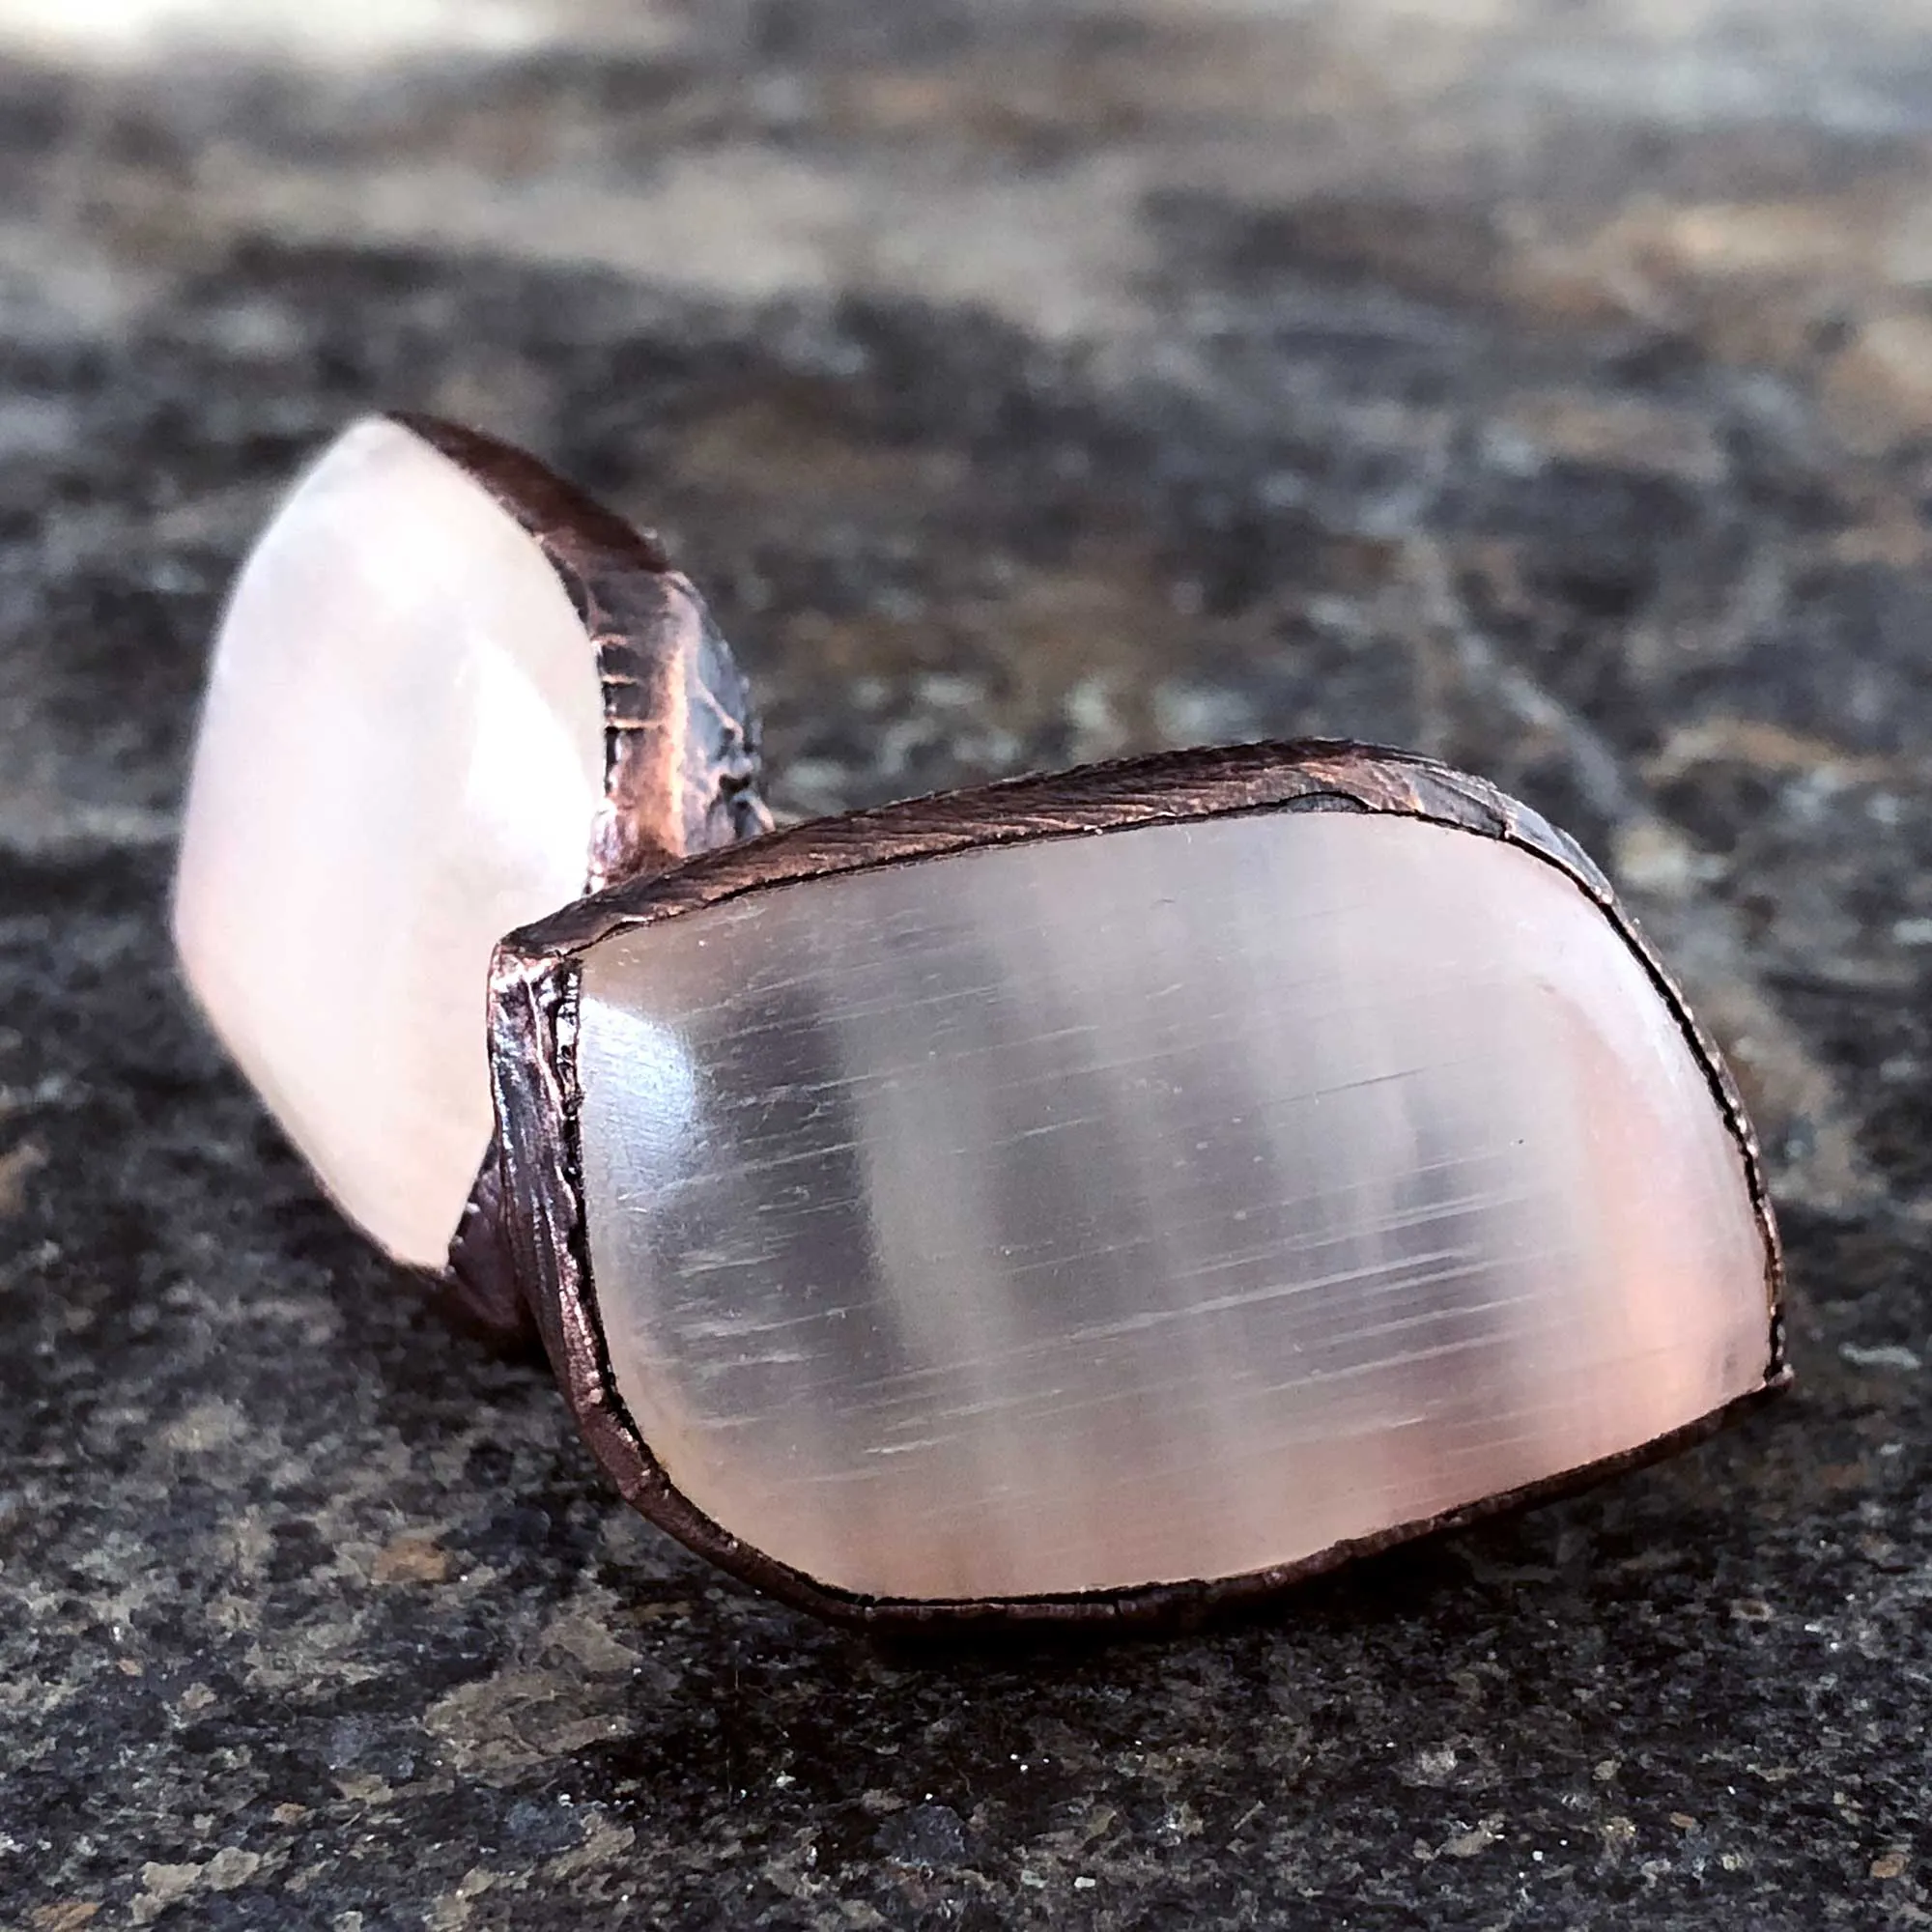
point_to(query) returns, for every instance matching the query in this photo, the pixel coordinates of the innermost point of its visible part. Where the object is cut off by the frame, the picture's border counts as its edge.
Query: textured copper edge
(534, 997)
(681, 736)
(681, 761)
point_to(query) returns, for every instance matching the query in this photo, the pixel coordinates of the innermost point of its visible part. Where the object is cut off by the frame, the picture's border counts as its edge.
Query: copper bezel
(533, 1014)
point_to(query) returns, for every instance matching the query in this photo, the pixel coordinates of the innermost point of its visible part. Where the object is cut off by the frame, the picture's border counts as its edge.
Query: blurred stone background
(1544, 384)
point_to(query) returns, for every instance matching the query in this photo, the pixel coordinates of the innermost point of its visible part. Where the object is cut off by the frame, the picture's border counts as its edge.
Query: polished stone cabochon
(400, 757)
(1169, 1203)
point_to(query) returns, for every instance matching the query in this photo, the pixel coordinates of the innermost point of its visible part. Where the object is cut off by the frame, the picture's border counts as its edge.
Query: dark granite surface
(1548, 386)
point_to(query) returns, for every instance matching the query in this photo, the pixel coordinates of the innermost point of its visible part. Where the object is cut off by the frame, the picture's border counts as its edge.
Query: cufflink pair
(1091, 1198)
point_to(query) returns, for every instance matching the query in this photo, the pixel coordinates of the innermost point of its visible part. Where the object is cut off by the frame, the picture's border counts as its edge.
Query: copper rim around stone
(681, 758)
(535, 1004)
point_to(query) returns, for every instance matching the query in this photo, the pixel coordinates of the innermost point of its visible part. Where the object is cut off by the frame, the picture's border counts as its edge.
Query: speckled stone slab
(1545, 388)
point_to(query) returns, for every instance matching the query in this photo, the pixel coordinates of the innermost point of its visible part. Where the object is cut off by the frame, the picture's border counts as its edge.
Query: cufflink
(1092, 1198)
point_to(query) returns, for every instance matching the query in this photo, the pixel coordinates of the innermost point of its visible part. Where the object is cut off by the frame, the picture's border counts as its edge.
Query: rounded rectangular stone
(401, 756)
(1177, 1202)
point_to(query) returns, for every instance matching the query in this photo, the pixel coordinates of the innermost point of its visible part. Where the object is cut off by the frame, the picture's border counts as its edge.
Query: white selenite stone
(1171, 1203)
(401, 758)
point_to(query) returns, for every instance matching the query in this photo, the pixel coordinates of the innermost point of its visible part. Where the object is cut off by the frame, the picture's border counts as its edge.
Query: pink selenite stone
(401, 758)
(1173, 1204)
